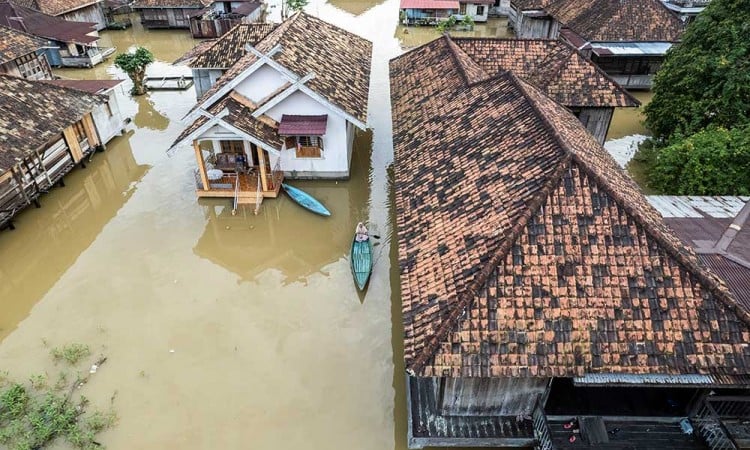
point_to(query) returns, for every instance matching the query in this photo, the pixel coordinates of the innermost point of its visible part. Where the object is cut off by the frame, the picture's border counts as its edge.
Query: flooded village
(531, 297)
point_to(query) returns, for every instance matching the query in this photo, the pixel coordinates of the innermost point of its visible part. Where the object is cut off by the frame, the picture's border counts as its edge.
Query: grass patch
(71, 353)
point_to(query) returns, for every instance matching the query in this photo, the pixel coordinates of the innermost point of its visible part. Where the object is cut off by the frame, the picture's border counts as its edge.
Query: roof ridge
(457, 53)
(470, 292)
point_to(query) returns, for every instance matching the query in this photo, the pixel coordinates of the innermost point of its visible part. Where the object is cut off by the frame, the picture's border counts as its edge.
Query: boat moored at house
(288, 107)
(545, 302)
(67, 43)
(45, 131)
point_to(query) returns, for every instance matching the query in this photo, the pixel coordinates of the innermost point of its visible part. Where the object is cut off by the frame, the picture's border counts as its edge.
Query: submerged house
(67, 43)
(22, 55)
(288, 108)
(221, 16)
(107, 116)
(71, 10)
(168, 13)
(545, 303)
(431, 12)
(553, 66)
(45, 130)
(626, 38)
(210, 59)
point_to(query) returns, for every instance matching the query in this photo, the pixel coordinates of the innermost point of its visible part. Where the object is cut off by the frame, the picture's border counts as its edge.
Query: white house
(107, 116)
(288, 108)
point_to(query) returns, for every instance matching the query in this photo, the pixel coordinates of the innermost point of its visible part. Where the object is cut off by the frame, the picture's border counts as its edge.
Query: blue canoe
(305, 200)
(361, 262)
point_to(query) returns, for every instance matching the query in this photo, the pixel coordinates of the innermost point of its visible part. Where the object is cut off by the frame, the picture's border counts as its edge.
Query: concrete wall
(472, 9)
(109, 125)
(334, 161)
(261, 83)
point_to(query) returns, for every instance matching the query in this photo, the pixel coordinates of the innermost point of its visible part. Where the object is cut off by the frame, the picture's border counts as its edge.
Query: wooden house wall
(596, 120)
(528, 27)
(36, 67)
(213, 28)
(632, 72)
(490, 396)
(166, 17)
(92, 13)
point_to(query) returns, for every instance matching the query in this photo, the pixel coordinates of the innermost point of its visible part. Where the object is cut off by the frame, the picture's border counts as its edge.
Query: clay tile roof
(618, 20)
(524, 250)
(14, 44)
(555, 67)
(225, 51)
(239, 116)
(138, 4)
(32, 113)
(45, 26)
(340, 61)
(55, 7)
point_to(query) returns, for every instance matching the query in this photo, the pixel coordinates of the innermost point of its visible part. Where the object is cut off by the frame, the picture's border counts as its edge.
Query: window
(109, 110)
(480, 10)
(309, 147)
(232, 147)
(30, 67)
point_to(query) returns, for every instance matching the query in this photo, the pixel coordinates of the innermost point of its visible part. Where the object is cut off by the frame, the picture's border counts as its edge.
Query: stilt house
(168, 13)
(289, 107)
(545, 303)
(67, 43)
(22, 55)
(221, 16)
(45, 130)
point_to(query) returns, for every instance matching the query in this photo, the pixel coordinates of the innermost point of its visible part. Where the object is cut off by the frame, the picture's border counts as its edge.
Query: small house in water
(22, 55)
(67, 43)
(220, 17)
(210, 59)
(553, 66)
(168, 13)
(289, 107)
(431, 12)
(45, 130)
(545, 303)
(108, 119)
(72, 10)
(626, 38)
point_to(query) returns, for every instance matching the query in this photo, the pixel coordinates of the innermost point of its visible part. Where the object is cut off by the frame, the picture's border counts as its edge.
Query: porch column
(262, 163)
(201, 165)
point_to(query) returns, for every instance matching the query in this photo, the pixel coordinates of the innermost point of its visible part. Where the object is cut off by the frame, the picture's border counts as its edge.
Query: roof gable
(506, 154)
(618, 20)
(302, 45)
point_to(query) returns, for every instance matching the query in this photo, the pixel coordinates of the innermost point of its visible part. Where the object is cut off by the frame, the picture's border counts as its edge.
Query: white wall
(261, 83)
(471, 9)
(335, 160)
(109, 127)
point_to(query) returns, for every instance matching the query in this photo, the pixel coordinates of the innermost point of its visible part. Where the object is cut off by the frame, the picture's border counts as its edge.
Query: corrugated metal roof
(632, 48)
(696, 206)
(624, 378)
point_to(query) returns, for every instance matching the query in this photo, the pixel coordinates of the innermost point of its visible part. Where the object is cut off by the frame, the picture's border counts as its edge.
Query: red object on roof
(429, 4)
(91, 86)
(303, 125)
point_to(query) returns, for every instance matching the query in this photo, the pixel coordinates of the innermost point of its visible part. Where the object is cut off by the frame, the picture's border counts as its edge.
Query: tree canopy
(134, 64)
(705, 80)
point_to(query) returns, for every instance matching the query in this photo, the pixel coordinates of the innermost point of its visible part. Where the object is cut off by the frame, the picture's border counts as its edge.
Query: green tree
(290, 7)
(134, 64)
(705, 80)
(715, 161)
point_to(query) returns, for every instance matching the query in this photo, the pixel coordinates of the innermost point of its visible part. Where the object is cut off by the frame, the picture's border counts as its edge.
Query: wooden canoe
(305, 200)
(361, 262)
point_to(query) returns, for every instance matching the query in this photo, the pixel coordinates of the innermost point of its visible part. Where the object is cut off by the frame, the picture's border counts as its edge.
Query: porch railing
(542, 434)
(715, 418)
(277, 176)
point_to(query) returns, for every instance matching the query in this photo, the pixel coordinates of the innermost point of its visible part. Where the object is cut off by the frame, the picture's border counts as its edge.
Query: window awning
(303, 125)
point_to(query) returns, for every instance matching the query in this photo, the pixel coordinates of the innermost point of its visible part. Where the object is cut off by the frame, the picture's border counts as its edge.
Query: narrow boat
(361, 256)
(305, 200)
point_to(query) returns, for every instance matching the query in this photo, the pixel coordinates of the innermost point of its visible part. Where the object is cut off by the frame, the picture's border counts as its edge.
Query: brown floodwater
(629, 121)
(221, 331)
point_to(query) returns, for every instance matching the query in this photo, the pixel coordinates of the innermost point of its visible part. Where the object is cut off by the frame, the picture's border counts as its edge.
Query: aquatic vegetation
(71, 353)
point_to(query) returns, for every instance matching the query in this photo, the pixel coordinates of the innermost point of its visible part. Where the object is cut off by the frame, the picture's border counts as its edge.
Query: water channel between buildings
(273, 348)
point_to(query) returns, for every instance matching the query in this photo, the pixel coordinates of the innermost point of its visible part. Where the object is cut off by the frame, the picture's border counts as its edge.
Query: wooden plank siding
(596, 120)
(490, 396)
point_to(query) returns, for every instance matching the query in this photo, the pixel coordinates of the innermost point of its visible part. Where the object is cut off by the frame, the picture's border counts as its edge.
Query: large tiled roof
(524, 250)
(241, 117)
(55, 7)
(44, 25)
(339, 59)
(14, 44)
(553, 66)
(618, 20)
(171, 3)
(32, 113)
(228, 49)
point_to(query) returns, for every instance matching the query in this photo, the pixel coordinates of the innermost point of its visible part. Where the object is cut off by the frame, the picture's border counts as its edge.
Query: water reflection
(355, 7)
(48, 240)
(148, 117)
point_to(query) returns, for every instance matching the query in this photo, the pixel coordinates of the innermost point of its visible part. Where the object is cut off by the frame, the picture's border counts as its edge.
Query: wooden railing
(308, 152)
(542, 434)
(715, 414)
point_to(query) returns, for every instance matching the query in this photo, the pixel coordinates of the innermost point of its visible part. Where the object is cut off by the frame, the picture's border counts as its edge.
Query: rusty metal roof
(46, 26)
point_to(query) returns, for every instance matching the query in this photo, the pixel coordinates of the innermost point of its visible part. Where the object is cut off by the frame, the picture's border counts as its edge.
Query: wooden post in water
(201, 165)
(262, 163)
